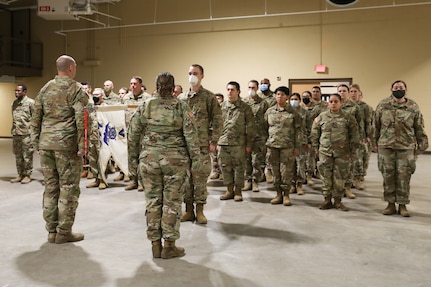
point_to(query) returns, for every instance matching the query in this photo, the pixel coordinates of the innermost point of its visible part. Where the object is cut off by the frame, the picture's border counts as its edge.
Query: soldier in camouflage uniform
(348, 106)
(361, 159)
(22, 110)
(399, 135)
(269, 96)
(315, 108)
(285, 132)
(206, 110)
(133, 99)
(236, 140)
(215, 167)
(110, 98)
(301, 159)
(58, 134)
(94, 139)
(335, 135)
(165, 129)
(255, 162)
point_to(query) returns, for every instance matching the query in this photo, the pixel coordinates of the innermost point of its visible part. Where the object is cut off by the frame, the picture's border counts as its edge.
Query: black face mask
(399, 93)
(96, 99)
(306, 100)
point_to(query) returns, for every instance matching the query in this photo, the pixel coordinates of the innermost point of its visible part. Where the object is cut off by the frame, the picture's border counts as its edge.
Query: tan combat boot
(326, 204)
(278, 199)
(228, 194)
(126, 178)
(51, 237)
(93, 184)
(71, 237)
(119, 177)
(310, 181)
(299, 189)
(292, 188)
(358, 184)
(200, 217)
(390, 209)
(402, 210)
(16, 179)
(90, 175)
(102, 185)
(254, 186)
(268, 176)
(349, 193)
(238, 193)
(189, 215)
(171, 251)
(26, 180)
(247, 185)
(140, 187)
(156, 247)
(132, 185)
(286, 199)
(339, 205)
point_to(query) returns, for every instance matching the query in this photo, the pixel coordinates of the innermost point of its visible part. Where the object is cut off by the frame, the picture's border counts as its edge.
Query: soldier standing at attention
(399, 136)
(22, 110)
(335, 136)
(58, 134)
(206, 110)
(255, 163)
(166, 128)
(236, 141)
(285, 133)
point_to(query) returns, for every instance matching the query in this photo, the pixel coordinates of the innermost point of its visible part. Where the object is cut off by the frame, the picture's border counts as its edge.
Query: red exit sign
(44, 8)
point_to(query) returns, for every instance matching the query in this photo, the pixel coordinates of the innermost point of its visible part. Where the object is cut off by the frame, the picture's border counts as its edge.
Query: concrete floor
(252, 243)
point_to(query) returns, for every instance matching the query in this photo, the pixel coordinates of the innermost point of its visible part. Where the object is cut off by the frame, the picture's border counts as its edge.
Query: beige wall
(373, 46)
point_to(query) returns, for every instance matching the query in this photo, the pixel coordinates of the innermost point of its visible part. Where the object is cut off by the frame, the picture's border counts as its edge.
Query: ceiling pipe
(62, 32)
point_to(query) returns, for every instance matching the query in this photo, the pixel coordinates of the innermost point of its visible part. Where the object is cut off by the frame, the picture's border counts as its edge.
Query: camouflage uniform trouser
(255, 161)
(93, 156)
(196, 189)
(163, 172)
(358, 161)
(232, 160)
(282, 161)
(62, 172)
(311, 161)
(214, 162)
(333, 173)
(23, 150)
(300, 166)
(397, 167)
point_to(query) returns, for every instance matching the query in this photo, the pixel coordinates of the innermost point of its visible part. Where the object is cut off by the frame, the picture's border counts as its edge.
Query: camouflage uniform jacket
(22, 110)
(207, 113)
(284, 127)
(111, 99)
(353, 109)
(239, 128)
(368, 114)
(399, 125)
(258, 107)
(162, 122)
(58, 119)
(315, 109)
(335, 134)
(270, 98)
(133, 101)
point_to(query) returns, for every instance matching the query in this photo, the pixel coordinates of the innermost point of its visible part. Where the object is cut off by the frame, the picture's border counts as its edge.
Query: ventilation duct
(342, 3)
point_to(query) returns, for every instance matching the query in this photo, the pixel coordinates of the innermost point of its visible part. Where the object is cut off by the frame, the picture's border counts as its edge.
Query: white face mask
(193, 80)
(294, 103)
(251, 93)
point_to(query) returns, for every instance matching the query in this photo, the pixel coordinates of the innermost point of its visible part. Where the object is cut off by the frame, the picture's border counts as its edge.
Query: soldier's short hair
(283, 89)
(233, 83)
(23, 87)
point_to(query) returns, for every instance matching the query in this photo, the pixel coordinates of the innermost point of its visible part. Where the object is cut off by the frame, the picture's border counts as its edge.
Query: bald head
(66, 66)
